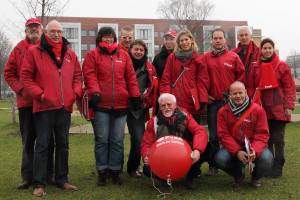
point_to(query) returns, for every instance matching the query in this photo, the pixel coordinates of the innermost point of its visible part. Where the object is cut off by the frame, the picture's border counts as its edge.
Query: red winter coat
(148, 96)
(199, 134)
(274, 101)
(195, 77)
(254, 127)
(223, 71)
(250, 66)
(40, 76)
(110, 76)
(12, 72)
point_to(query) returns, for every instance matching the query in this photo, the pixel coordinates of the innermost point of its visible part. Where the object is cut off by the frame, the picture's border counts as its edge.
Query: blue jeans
(213, 145)
(109, 137)
(233, 166)
(45, 123)
(136, 129)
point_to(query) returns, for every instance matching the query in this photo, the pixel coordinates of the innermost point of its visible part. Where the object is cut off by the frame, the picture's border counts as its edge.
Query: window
(84, 47)
(72, 32)
(161, 34)
(83, 33)
(146, 33)
(227, 35)
(92, 46)
(114, 26)
(74, 46)
(155, 34)
(92, 33)
(156, 47)
(207, 37)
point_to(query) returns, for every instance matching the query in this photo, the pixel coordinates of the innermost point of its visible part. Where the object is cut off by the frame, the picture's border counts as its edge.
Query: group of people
(123, 85)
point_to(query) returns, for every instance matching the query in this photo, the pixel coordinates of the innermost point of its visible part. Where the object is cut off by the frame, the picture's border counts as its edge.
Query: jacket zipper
(180, 86)
(113, 81)
(61, 87)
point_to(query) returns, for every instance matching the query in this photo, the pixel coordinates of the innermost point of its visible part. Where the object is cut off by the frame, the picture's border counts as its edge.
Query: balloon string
(162, 194)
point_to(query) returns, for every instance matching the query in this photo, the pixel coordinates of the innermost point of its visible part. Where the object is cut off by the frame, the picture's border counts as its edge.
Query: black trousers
(45, 123)
(27, 129)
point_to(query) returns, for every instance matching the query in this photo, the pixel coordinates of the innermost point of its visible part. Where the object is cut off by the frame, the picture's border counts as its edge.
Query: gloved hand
(95, 99)
(135, 103)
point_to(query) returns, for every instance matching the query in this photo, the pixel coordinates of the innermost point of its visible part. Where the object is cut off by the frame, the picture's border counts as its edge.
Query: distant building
(294, 63)
(81, 32)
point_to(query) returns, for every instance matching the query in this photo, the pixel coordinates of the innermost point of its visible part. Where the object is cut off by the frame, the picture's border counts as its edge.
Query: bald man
(233, 132)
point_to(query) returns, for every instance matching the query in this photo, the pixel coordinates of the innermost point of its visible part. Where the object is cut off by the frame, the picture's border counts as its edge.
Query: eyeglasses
(127, 37)
(56, 31)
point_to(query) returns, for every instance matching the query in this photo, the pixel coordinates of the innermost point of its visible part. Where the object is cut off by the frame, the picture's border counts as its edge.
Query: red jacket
(199, 134)
(223, 71)
(148, 96)
(40, 76)
(110, 76)
(12, 72)
(274, 101)
(194, 78)
(254, 127)
(250, 66)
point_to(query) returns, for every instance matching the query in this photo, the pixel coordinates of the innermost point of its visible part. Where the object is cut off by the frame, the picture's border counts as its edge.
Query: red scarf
(123, 47)
(27, 44)
(248, 54)
(110, 49)
(267, 77)
(56, 48)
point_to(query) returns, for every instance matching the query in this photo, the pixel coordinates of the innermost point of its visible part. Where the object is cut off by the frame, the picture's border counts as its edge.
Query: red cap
(33, 20)
(171, 33)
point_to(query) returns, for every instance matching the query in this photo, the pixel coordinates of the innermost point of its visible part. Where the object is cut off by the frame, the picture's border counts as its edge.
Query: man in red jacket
(170, 120)
(249, 54)
(233, 134)
(224, 67)
(51, 74)
(33, 30)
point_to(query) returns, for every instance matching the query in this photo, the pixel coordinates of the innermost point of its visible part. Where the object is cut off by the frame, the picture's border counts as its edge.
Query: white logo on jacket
(119, 61)
(247, 120)
(227, 64)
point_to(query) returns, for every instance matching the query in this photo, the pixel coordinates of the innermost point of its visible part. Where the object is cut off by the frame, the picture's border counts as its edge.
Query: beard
(168, 113)
(34, 36)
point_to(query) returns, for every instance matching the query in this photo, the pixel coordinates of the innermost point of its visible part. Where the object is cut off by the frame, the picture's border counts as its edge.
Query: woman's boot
(101, 177)
(115, 177)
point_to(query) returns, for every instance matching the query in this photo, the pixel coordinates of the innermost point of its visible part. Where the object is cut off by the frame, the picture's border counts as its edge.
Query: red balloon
(170, 157)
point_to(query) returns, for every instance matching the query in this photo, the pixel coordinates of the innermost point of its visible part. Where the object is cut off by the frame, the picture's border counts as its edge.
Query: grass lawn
(296, 110)
(82, 173)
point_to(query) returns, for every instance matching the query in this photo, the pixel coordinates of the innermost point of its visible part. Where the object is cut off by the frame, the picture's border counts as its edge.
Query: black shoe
(24, 185)
(238, 182)
(191, 183)
(101, 177)
(115, 177)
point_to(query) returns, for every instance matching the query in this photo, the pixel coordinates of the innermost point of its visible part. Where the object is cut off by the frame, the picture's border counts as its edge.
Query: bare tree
(294, 63)
(186, 14)
(40, 8)
(5, 49)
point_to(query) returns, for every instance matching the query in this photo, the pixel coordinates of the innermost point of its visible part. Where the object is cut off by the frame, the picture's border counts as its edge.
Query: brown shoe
(238, 182)
(39, 192)
(24, 185)
(67, 186)
(135, 174)
(255, 183)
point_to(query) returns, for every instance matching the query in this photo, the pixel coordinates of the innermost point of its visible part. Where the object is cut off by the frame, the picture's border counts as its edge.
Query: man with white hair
(51, 74)
(173, 120)
(248, 53)
(33, 30)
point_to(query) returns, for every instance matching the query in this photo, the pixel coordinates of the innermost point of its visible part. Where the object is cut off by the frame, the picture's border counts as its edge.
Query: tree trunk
(13, 109)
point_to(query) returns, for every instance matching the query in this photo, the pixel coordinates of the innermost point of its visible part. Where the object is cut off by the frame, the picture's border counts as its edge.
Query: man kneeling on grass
(239, 120)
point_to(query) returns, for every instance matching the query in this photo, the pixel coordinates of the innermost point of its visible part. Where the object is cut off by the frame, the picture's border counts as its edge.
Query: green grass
(82, 173)
(296, 110)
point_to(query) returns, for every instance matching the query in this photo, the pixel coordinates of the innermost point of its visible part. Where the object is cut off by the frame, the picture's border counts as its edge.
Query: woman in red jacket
(278, 93)
(110, 78)
(185, 77)
(147, 80)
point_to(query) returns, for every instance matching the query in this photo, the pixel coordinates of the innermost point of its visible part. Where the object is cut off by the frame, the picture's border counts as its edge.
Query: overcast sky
(278, 19)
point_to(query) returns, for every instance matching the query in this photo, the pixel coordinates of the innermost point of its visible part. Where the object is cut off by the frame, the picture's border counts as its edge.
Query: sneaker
(39, 192)
(140, 169)
(135, 174)
(256, 183)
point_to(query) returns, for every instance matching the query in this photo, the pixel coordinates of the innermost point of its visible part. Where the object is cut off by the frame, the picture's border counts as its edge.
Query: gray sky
(276, 18)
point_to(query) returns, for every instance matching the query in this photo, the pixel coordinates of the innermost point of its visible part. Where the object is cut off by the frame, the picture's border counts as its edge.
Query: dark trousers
(276, 142)
(233, 166)
(26, 120)
(213, 145)
(136, 128)
(45, 123)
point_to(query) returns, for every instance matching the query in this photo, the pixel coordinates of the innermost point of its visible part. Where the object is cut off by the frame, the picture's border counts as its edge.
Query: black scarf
(183, 56)
(238, 110)
(138, 63)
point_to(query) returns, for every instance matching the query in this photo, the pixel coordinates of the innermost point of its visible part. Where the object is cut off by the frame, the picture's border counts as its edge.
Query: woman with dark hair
(110, 79)
(277, 93)
(147, 79)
